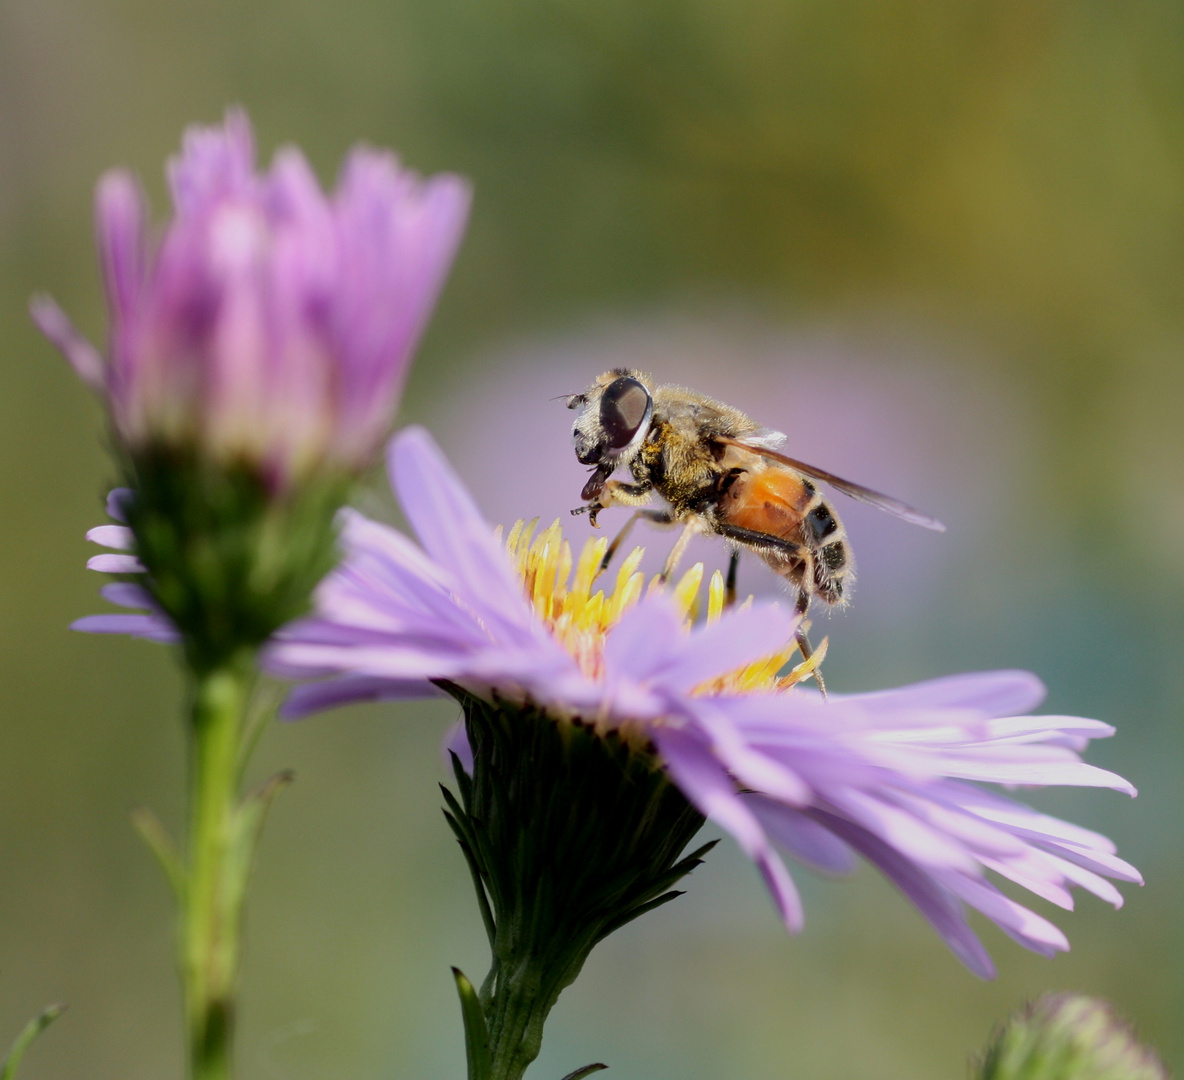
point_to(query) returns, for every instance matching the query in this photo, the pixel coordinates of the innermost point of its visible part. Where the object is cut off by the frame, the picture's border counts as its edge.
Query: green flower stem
(212, 906)
(228, 560)
(516, 1012)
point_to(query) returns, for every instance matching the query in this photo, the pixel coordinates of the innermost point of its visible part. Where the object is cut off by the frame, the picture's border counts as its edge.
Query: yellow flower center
(580, 618)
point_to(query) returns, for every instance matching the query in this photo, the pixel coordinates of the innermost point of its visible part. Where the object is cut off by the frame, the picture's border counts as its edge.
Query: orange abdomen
(771, 501)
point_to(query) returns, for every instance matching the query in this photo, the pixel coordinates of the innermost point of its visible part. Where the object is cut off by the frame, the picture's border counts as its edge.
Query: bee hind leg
(801, 606)
(793, 554)
(730, 581)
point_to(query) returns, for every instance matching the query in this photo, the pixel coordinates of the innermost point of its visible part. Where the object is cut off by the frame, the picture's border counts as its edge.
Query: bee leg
(601, 493)
(804, 647)
(762, 542)
(658, 517)
(677, 552)
(730, 582)
(617, 541)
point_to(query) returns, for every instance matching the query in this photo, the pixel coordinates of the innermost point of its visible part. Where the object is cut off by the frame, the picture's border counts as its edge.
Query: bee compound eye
(624, 407)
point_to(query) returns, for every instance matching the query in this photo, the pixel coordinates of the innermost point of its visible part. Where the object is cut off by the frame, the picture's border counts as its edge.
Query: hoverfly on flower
(721, 473)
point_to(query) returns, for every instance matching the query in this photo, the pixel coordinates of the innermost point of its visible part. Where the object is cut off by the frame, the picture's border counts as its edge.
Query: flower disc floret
(581, 616)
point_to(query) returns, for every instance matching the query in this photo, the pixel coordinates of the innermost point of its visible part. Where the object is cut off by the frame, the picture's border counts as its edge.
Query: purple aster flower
(270, 324)
(255, 356)
(893, 776)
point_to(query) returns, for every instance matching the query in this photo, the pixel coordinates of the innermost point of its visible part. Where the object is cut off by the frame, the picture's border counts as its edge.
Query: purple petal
(1036, 873)
(916, 841)
(115, 564)
(933, 901)
(82, 356)
(932, 803)
(452, 531)
(118, 500)
(402, 234)
(996, 693)
(350, 689)
(746, 762)
(1088, 880)
(401, 662)
(642, 642)
(112, 536)
(1021, 925)
(1035, 771)
(802, 836)
(215, 162)
(126, 594)
(120, 217)
(147, 626)
(739, 638)
(1072, 732)
(704, 782)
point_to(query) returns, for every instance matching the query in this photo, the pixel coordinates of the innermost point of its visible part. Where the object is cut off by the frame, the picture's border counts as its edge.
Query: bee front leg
(658, 517)
(618, 493)
(613, 493)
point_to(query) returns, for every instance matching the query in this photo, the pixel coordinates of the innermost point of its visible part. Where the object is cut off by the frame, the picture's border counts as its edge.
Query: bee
(720, 473)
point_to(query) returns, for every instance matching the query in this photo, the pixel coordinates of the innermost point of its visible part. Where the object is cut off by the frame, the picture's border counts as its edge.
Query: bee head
(614, 418)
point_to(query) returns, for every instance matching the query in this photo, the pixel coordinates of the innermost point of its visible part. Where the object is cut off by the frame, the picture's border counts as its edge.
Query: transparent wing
(857, 491)
(766, 439)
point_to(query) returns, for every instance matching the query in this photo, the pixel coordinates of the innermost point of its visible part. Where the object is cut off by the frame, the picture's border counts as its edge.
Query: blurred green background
(940, 242)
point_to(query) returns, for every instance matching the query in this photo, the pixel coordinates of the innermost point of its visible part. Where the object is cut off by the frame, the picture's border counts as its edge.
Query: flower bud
(1068, 1037)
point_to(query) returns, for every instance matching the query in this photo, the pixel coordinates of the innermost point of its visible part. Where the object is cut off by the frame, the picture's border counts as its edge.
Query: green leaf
(25, 1039)
(261, 709)
(587, 1070)
(476, 1033)
(249, 824)
(154, 834)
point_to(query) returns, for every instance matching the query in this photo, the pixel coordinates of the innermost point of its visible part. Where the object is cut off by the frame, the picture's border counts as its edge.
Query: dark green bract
(569, 836)
(229, 560)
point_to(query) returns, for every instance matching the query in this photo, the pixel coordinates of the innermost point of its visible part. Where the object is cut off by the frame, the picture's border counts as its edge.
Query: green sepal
(476, 1033)
(156, 836)
(25, 1039)
(454, 815)
(587, 1070)
(643, 904)
(463, 780)
(229, 557)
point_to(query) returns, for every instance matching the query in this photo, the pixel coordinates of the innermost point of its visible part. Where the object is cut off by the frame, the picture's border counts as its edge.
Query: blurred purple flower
(270, 325)
(888, 775)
